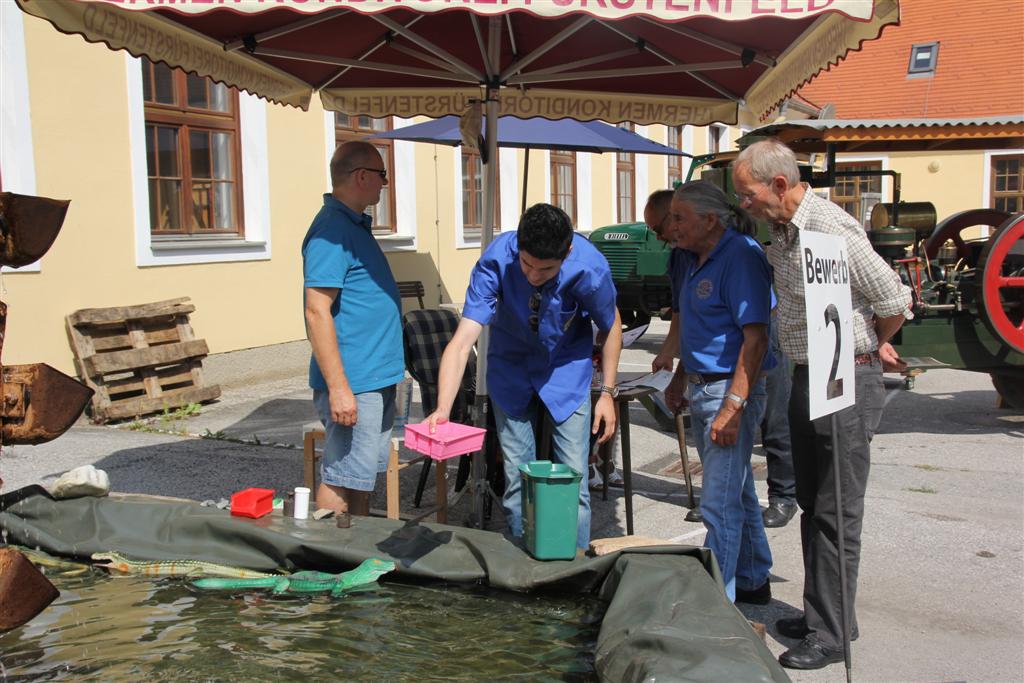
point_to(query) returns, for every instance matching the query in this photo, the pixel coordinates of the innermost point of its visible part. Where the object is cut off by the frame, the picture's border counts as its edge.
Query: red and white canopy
(647, 61)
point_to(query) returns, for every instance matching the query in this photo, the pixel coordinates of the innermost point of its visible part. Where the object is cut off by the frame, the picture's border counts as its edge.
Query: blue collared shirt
(554, 361)
(339, 252)
(714, 301)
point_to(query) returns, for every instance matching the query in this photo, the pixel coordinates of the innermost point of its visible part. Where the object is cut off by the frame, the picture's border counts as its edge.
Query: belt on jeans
(695, 378)
(866, 358)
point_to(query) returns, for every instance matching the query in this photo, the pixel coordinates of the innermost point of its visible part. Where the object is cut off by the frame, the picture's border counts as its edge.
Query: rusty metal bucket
(28, 227)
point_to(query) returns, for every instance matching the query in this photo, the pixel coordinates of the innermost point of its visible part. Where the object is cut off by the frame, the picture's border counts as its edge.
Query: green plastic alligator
(307, 582)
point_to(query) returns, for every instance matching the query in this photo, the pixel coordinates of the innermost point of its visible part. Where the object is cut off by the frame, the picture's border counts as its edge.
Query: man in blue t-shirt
(353, 323)
(539, 289)
(721, 294)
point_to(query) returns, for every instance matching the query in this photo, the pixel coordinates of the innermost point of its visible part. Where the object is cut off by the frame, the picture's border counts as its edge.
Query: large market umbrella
(537, 133)
(671, 62)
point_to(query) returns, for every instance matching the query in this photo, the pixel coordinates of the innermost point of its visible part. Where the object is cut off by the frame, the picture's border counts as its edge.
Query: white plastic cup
(301, 502)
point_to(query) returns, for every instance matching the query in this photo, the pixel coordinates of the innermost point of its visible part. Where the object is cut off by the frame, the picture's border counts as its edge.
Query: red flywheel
(1001, 266)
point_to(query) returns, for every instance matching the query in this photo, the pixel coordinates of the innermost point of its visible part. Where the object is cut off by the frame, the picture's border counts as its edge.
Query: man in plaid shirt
(767, 183)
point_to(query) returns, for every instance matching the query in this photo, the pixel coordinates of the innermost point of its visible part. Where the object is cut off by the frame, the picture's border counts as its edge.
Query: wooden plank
(391, 485)
(184, 330)
(107, 316)
(170, 400)
(167, 376)
(119, 361)
(138, 339)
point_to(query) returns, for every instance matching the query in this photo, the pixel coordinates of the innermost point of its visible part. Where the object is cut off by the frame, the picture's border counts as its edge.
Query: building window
(675, 163)
(716, 139)
(358, 128)
(192, 153)
(923, 59)
(563, 182)
(625, 173)
(1007, 183)
(858, 194)
(473, 197)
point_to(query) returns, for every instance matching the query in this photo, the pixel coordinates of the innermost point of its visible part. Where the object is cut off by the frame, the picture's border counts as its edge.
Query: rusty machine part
(20, 577)
(28, 227)
(39, 403)
(918, 216)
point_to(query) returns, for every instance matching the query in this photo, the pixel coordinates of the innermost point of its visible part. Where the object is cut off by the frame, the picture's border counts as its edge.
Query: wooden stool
(312, 437)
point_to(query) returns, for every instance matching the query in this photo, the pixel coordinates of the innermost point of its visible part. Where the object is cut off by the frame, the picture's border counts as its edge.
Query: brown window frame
(625, 167)
(716, 138)
(675, 163)
(186, 120)
(860, 185)
(995, 195)
(560, 158)
(348, 128)
(473, 231)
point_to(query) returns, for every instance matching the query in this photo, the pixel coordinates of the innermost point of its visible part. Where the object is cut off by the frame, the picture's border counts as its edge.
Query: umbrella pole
(526, 177)
(481, 489)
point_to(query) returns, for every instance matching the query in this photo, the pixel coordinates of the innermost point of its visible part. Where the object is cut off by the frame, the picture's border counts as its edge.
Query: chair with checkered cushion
(425, 334)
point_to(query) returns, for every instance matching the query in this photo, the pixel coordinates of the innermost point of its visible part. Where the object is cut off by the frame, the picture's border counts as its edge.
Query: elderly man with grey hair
(721, 296)
(767, 180)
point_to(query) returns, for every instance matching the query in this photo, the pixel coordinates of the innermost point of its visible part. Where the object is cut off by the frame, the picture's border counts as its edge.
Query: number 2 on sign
(834, 388)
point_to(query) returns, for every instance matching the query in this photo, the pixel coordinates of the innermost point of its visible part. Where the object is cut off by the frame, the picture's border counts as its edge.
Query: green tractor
(639, 263)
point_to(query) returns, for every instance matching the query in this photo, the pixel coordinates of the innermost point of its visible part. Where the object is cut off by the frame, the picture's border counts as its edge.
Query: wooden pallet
(139, 359)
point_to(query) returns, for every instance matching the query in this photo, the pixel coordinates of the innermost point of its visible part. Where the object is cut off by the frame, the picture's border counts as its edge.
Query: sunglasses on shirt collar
(534, 305)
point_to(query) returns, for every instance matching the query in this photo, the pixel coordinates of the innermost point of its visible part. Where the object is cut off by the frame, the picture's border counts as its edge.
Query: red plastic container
(252, 502)
(450, 439)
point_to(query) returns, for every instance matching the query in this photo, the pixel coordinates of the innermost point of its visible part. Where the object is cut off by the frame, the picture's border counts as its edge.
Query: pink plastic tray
(449, 440)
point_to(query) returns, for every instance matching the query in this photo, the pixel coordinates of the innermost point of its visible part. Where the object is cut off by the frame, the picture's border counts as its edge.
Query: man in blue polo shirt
(353, 311)
(722, 295)
(539, 289)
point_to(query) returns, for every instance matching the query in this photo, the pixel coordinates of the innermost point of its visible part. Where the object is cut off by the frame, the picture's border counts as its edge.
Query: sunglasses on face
(382, 172)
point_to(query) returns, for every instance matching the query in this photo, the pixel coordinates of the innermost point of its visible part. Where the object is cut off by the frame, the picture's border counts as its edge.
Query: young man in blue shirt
(539, 289)
(353, 312)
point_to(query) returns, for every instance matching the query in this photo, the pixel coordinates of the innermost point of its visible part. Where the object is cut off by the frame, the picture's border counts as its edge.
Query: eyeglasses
(534, 304)
(382, 172)
(747, 197)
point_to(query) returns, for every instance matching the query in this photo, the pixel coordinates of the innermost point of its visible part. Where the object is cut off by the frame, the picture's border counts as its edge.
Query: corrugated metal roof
(822, 124)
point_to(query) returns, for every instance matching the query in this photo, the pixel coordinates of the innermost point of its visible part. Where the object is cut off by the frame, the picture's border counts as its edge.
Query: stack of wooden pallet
(139, 359)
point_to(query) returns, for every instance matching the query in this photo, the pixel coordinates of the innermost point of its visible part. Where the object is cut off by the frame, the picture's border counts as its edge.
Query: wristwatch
(611, 391)
(741, 402)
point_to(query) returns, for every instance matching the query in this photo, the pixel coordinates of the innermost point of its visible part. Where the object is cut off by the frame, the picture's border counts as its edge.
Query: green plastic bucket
(550, 494)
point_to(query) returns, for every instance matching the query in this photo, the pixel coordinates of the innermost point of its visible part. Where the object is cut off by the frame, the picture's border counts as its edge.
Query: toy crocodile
(307, 582)
(186, 568)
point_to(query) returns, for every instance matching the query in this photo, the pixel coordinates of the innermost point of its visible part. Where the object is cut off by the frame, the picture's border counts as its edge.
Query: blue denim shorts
(354, 455)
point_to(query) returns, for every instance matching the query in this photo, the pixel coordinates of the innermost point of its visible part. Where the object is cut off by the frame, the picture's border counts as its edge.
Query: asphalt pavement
(942, 574)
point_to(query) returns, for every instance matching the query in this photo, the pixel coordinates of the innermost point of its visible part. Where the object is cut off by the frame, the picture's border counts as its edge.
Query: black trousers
(775, 428)
(815, 492)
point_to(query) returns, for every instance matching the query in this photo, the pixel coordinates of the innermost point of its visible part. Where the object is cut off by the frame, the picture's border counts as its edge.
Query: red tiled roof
(980, 68)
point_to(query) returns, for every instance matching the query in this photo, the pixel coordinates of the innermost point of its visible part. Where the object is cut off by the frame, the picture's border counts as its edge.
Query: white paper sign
(825, 266)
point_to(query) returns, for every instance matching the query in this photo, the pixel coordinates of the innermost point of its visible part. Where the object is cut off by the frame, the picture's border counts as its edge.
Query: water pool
(130, 628)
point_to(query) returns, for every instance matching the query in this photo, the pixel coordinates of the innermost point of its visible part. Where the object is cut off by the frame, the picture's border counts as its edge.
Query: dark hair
(660, 200)
(708, 198)
(349, 156)
(545, 232)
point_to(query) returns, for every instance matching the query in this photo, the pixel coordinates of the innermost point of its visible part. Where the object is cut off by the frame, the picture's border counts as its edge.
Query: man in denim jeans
(539, 288)
(721, 292)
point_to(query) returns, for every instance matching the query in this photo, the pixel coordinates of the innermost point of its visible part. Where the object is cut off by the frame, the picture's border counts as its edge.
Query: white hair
(767, 159)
